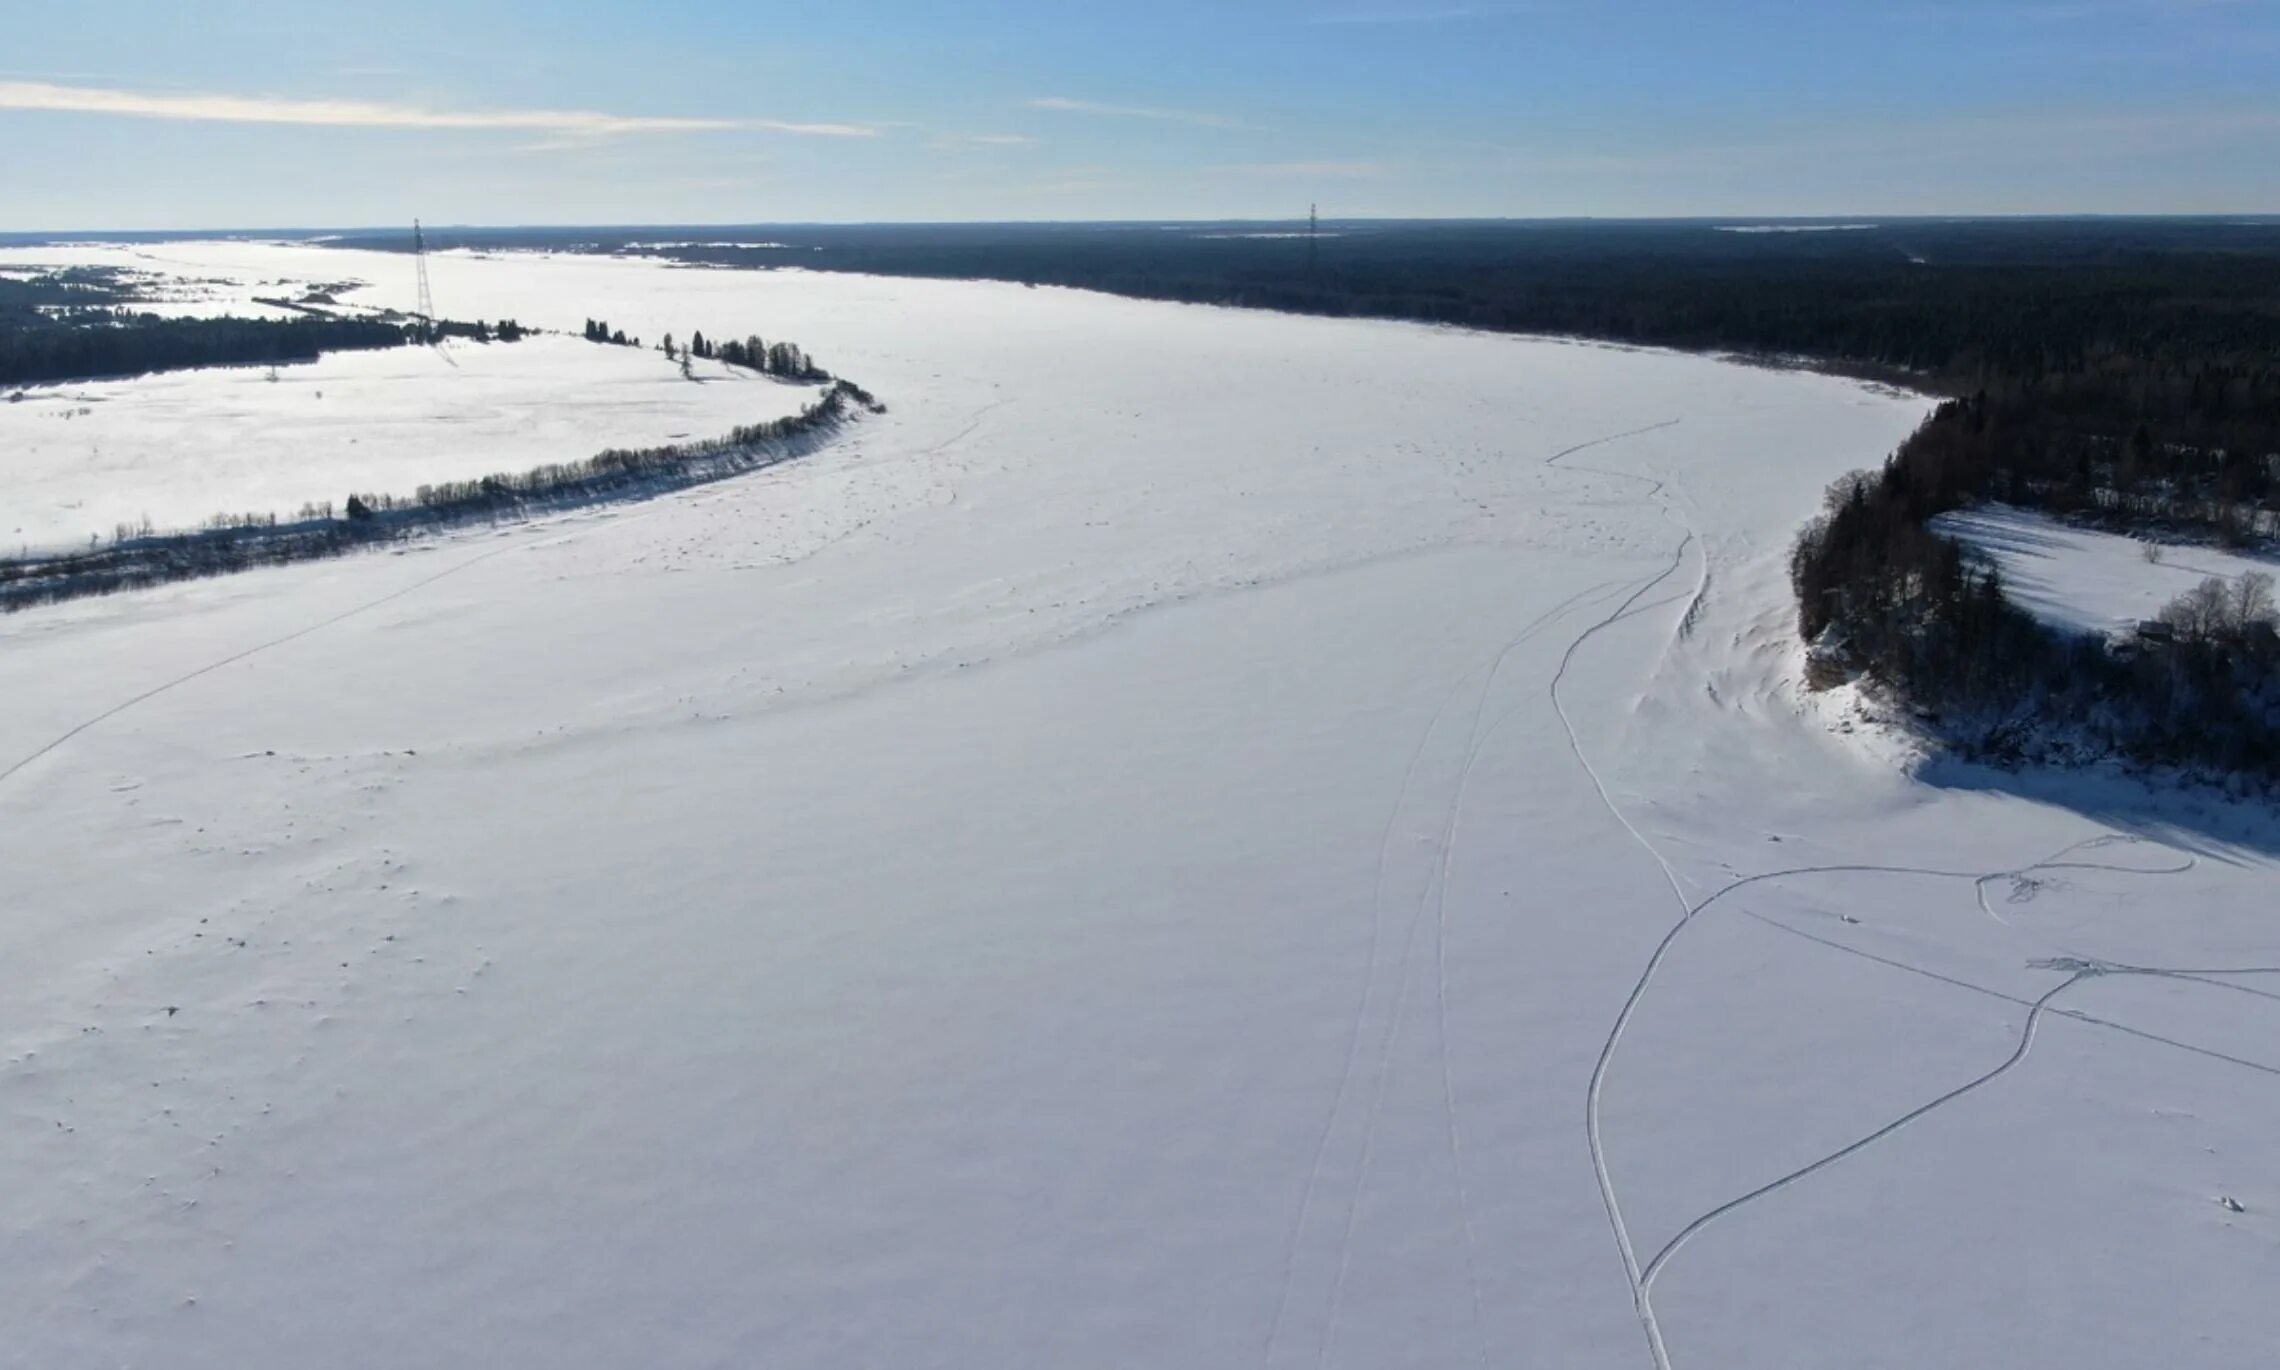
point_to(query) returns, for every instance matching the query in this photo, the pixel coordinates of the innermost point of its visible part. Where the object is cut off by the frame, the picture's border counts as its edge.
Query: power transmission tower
(426, 313)
(1313, 237)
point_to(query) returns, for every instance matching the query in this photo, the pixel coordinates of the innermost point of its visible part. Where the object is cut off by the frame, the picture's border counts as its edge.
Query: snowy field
(77, 460)
(1198, 839)
(2084, 580)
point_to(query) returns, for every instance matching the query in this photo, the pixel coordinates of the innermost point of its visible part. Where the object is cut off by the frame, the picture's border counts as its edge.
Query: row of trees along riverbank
(238, 543)
(784, 360)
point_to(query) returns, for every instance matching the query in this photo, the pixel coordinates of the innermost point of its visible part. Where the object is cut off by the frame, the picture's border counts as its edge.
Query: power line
(426, 314)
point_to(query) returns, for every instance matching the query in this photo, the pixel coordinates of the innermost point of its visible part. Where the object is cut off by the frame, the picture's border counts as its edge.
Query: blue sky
(235, 113)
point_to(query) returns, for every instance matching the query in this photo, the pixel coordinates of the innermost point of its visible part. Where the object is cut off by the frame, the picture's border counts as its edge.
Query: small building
(2153, 632)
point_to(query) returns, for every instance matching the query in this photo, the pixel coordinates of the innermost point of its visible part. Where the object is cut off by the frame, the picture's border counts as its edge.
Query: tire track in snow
(1638, 1275)
(1392, 1034)
(1623, 1244)
(1455, 1135)
(1557, 457)
(1354, 1033)
(2081, 968)
(2024, 879)
(1448, 1085)
(1655, 491)
(1369, 1134)
(2018, 1054)
(2197, 978)
(1957, 982)
(257, 649)
(609, 522)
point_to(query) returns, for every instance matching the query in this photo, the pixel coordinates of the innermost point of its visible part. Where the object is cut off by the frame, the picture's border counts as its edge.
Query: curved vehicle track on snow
(2079, 969)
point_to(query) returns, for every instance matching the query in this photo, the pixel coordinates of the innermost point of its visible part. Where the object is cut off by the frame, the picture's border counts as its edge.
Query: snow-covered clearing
(76, 460)
(2084, 580)
(181, 280)
(1199, 838)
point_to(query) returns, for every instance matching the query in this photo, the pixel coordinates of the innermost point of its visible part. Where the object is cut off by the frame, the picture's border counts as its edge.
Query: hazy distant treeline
(1962, 302)
(108, 343)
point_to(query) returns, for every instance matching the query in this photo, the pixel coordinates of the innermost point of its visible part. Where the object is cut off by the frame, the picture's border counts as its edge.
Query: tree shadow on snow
(2197, 818)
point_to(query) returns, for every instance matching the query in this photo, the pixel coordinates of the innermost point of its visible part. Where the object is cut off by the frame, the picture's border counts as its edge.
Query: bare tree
(2252, 601)
(2201, 613)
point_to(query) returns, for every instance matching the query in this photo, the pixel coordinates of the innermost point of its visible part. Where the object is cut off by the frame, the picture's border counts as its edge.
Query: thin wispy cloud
(265, 109)
(1348, 171)
(1443, 14)
(972, 141)
(581, 144)
(1064, 105)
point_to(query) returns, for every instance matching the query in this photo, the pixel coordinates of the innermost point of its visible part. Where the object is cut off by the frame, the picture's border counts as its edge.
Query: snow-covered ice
(1200, 838)
(2085, 580)
(76, 460)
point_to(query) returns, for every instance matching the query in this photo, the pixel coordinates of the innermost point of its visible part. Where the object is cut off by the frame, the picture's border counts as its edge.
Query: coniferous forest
(82, 324)
(1881, 593)
(134, 345)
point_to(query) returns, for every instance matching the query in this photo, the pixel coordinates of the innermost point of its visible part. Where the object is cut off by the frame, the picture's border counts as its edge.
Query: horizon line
(1867, 219)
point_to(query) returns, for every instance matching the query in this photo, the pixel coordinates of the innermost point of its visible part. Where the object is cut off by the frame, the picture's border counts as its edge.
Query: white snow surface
(2085, 580)
(1200, 838)
(78, 459)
